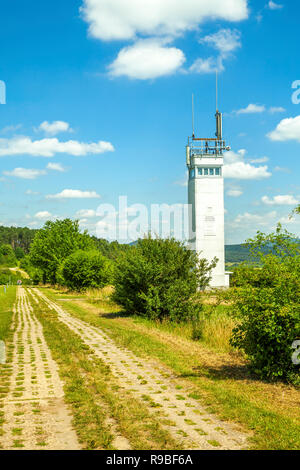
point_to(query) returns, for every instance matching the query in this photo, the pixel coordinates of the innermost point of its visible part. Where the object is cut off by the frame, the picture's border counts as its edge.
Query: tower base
(220, 280)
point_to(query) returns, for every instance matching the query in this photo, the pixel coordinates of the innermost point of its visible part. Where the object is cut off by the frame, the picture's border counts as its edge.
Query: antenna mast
(216, 90)
(193, 120)
(218, 114)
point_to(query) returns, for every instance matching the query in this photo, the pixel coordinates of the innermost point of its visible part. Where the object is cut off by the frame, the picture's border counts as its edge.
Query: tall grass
(6, 309)
(217, 326)
(213, 329)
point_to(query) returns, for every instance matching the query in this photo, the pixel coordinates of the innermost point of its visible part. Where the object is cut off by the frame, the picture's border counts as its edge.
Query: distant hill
(233, 253)
(236, 253)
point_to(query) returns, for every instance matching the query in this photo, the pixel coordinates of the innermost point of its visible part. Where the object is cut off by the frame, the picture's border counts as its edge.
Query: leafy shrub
(158, 278)
(7, 256)
(19, 253)
(85, 269)
(7, 277)
(54, 243)
(268, 308)
(35, 274)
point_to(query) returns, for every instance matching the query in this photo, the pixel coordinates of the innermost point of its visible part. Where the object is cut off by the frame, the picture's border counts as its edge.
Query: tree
(267, 305)
(17, 237)
(19, 252)
(84, 269)
(158, 278)
(54, 243)
(7, 256)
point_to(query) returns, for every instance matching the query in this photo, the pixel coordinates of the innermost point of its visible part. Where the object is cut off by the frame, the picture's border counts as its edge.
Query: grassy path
(34, 413)
(105, 415)
(182, 415)
(83, 375)
(7, 301)
(220, 381)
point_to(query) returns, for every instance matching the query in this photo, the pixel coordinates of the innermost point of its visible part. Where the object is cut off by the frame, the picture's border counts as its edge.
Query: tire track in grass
(181, 415)
(104, 415)
(34, 412)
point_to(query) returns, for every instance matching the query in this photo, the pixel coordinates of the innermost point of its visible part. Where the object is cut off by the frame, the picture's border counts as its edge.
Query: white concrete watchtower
(204, 158)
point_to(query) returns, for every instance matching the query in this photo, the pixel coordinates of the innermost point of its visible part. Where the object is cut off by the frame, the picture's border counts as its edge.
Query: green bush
(19, 253)
(268, 308)
(158, 278)
(85, 269)
(7, 256)
(54, 243)
(7, 277)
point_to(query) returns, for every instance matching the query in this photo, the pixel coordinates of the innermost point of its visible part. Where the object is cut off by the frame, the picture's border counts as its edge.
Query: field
(83, 375)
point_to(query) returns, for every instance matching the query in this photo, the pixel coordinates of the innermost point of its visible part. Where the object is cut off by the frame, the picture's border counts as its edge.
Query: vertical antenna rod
(216, 90)
(193, 120)
(218, 115)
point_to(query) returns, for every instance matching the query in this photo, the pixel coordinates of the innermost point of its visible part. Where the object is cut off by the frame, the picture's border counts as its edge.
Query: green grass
(6, 304)
(7, 301)
(93, 394)
(222, 381)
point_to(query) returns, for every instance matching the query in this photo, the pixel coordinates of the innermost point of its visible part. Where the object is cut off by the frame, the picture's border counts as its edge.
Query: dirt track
(35, 414)
(187, 420)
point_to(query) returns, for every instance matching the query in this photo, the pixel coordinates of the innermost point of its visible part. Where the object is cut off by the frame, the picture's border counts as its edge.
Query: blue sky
(98, 105)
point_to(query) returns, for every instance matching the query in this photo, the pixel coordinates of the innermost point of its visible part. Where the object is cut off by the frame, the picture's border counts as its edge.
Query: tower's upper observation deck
(206, 147)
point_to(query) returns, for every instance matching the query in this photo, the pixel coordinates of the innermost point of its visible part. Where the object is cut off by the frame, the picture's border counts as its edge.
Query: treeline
(61, 254)
(15, 244)
(17, 237)
(20, 239)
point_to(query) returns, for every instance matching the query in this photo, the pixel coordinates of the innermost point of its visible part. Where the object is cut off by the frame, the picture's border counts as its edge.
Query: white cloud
(31, 193)
(282, 169)
(157, 20)
(146, 59)
(8, 129)
(274, 6)
(260, 160)
(74, 194)
(56, 167)
(209, 65)
(257, 219)
(25, 173)
(50, 147)
(245, 171)
(251, 109)
(279, 200)
(225, 41)
(43, 215)
(236, 168)
(287, 129)
(116, 19)
(55, 127)
(86, 213)
(276, 109)
(288, 220)
(234, 192)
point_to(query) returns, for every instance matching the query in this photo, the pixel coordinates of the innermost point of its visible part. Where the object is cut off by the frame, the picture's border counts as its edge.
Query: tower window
(217, 171)
(200, 171)
(211, 171)
(205, 171)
